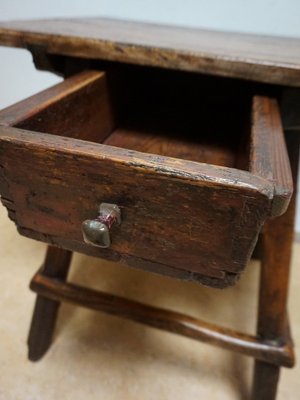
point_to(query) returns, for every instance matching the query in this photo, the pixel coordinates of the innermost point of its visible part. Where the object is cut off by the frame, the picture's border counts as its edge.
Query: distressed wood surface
(215, 212)
(78, 107)
(277, 241)
(56, 265)
(268, 152)
(182, 218)
(170, 146)
(58, 290)
(261, 58)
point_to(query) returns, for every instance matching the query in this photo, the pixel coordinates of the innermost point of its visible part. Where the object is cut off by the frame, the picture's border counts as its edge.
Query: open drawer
(194, 172)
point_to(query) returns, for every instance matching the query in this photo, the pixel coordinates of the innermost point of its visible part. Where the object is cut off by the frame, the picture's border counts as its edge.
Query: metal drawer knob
(96, 231)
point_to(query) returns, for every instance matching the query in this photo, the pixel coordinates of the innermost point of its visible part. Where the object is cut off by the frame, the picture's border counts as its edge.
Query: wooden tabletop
(262, 58)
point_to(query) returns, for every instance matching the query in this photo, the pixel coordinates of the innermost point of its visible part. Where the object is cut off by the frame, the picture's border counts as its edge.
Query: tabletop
(267, 59)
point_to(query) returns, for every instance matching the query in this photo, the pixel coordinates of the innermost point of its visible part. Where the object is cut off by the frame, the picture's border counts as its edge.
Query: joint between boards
(230, 279)
(226, 279)
(10, 207)
(42, 237)
(7, 202)
(4, 183)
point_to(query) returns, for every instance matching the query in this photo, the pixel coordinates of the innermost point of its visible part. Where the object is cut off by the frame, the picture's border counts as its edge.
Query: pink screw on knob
(97, 231)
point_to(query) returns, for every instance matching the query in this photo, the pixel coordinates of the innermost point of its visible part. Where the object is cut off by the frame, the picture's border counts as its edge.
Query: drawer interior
(181, 115)
(196, 165)
(177, 115)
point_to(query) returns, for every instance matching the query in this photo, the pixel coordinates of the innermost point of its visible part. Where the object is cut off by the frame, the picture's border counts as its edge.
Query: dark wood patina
(197, 164)
(200, 220)
(259, 58)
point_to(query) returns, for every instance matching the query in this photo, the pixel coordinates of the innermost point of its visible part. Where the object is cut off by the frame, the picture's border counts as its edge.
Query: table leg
(56, 265)
(277, 240)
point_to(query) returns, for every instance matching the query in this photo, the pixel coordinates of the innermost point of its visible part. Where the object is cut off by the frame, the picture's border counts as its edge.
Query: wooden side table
(168, 149)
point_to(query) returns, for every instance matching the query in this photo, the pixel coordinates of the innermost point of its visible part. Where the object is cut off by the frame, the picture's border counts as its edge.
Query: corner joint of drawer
(281, 200)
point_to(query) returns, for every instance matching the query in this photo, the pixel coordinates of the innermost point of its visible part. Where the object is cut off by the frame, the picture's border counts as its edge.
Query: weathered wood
(171, 321)
(268, 154)
(56, 264)
(183, 274)
(77, 107)
(170, 146)
(260, 58)
(277, 239)
(180, 218)
(276, 259)
(217, 212)
(266, 379)
(209, 199)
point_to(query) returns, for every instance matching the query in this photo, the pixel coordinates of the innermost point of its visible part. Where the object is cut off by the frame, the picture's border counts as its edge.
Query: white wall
(19, 79)
(265, 16)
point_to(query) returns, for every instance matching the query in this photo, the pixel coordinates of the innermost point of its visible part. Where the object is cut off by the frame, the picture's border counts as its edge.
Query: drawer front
(181, 218)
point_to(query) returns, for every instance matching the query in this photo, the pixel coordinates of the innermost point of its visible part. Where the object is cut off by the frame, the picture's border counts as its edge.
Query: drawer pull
(96, 231)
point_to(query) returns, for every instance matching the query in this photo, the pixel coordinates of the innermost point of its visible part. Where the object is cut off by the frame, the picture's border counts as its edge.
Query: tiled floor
(95, 356)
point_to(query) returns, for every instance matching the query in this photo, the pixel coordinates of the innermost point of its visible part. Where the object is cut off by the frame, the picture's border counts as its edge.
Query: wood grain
(51, 183)
(78, 107)
(181, 217)
(268, 152)
(157, 195)
(277, 241)
(56, 264)
(178, 114)
(163, 319)
(252, 57)
(170, 146)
